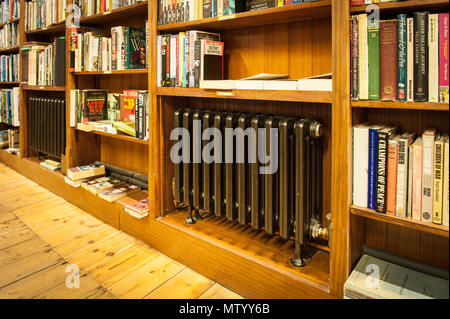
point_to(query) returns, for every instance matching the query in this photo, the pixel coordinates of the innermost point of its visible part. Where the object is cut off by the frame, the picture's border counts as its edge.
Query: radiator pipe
(140, 177)
(130, 180)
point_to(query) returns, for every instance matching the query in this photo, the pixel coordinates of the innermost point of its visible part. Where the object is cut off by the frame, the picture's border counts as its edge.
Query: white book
(409, 201)
(445, 206)
(363, 76)
(410, 60)
(158, 60)
(120, 44)
(249, 84)
(217, 84)
(283, 85)
(360, 164)
(266, 76)
(427, 174)
(433, 58)
(404, 142)
(15, 95)
(321, 82)
(73, 102)
(173, 58)
(219, 8)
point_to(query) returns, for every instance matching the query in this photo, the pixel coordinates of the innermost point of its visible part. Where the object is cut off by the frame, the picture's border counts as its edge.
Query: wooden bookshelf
(425, 106)
(119, 136)
(9, 83)
(52, 29)
(10, 21)
(12, 49)
(409, 5)
(113, 72)
(27, 87)
(139, 9)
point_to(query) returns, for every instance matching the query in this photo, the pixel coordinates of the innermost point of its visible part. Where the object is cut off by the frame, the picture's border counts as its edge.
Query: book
(409, 201)
(388, 60)
(138, 209)
(391, 188)
(428, 137)
(374, 58)
(135, 48)
(49, 166)
(129, 107)
(410, 60)
(433, 58)
(98, 185)
(354, 57)
(119, 191)
(401, 207)
(417, 166)
(402, 57)
(81, 172)
(443, 58)
(360, 164)
(384, 135)
(94, 105)
(211, 60)
(438, 179)
(421, 56)
(282, 85)
(363, 58)
(445, 195)
(372, 166)
(321, 82)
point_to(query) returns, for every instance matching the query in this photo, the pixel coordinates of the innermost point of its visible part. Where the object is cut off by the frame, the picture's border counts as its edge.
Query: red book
(391, 192)
(102, 6)
(417, 152)
(129, 104)
(443, 58)
(356, 2)
(388, 60)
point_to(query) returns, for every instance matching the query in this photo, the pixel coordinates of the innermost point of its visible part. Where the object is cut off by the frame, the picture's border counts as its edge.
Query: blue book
(297, 1)
(184, 62)
(373, 158)
(401, 90)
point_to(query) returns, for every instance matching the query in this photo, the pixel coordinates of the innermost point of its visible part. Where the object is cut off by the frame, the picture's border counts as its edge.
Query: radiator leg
(297, 260)
(197, 215)
(189, 220)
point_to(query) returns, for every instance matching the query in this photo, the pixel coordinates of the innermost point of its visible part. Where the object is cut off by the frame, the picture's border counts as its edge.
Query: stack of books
(135, 207)
(403, 59)
(401, 175)
(9, 106)
(41, 14)
(9, 68)
(51, 165)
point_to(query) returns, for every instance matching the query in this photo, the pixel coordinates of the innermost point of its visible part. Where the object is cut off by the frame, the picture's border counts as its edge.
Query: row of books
(9, 106)
(41, 14)
(9, 68)
(403, 59)
(9, 10)
(401, 175)
(9, 35)
(93, 50)
(44, 63)
(111, 112)
(186, 58)
(362, 2)
(9, 139)
(173, 11)
(91, 7)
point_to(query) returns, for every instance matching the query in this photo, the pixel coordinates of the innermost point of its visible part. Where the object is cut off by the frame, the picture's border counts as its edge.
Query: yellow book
(438, 184)
(126, 127)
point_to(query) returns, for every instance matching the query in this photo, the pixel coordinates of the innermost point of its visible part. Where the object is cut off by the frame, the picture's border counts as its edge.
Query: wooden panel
(132, 156)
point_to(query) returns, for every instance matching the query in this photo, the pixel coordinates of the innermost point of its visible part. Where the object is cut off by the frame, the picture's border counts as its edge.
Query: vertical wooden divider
(23, 114)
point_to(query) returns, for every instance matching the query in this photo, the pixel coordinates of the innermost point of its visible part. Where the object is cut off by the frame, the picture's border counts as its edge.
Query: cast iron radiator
(286, 202)
(47, 125)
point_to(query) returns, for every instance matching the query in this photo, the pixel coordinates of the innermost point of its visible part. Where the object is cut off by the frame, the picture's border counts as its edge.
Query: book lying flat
(266, 76)
(283, 85)
(119, 191)
(316, 83)
(100, 184)
(139, 207)
(80, 172)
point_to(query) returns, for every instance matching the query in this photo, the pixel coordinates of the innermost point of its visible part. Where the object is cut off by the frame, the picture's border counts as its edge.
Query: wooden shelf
(130, 71)
(9, 83)
(12, 49)
(414, 5)
(51, 29)
(43, 88)
(10, 21)
(113, 16)
(289, 96)
(295, 12)
(405, 222)
(118, 136)
(426, 106)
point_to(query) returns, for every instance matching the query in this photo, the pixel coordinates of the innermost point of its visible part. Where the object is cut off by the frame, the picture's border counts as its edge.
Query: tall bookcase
(300, 40)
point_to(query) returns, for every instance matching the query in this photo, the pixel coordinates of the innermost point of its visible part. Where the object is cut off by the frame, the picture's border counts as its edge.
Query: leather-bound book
(388, 60)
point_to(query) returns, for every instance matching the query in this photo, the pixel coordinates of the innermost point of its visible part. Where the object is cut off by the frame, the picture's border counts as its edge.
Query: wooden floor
(42, 236)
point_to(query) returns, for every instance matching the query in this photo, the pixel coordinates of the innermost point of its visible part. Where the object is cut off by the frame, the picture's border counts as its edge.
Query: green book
(134, 48)
(373, 34)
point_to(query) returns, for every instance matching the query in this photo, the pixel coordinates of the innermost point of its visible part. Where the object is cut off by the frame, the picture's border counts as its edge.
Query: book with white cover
(433, 58)
(284, 85)
(266, 76)
(360, 164)
(249, 84)
(321, 82)
(445, 206)
(404, 142)
(217, 84)
(427, 174)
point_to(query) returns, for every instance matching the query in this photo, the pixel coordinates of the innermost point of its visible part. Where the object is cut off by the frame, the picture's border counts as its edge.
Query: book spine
(417, 183)
(427, 176)
(354, 62)
(374, 59)
(185, 52)
(410, 60)
(420, 56)
(391, 188)
(433, 58)
(402, 178)
(402, 57)
(372, 183)
(437, 185)
(388, 60)
(363, 62)
(409, 201)
(383, 141)
(443, 58)
(158, 61)
(360, 165)
(445, 199)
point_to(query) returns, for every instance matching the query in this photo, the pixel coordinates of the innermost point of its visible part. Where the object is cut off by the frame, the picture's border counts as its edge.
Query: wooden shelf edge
(122, 137)
(293, 12)
(9, 83)
(43, 88)
(10, 21)
(410, 4)
(53, 28)
(129, 71)
(11, 49)
(289, 96)
(110, 15)
(425, 106)
(439, 230)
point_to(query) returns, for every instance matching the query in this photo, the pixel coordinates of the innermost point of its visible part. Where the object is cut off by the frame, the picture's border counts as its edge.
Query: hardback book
(420, 56)
(443, 58)
(129, 107)
(391, 188)
(135, 53)
(354, 57)
(360, 164)
(94, 105)
(427, 174)
(363, 58)
(193, 63)
(433, 58)
(374, 58)
(404, 141)
(252, 5)
(384, 135)
(80, 172)
(417, 166)
(211, 60)
(438, 179)
(409, 202)
(410, 60)
(372, 167)
(402, 57)
(98, 185)
(119, 191)
(59, 61)
(445, 196)
(158, 60)
(388, 60)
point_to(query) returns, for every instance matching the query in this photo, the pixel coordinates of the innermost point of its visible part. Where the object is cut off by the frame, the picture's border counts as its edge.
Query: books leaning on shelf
(403, 59)
(9, 10)
(86, 171)
(398, 175)
(42, 14)
(9, 35)
(51, 165)
(9, 106)
(44, 63)
(394, 282)
(9, 68)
